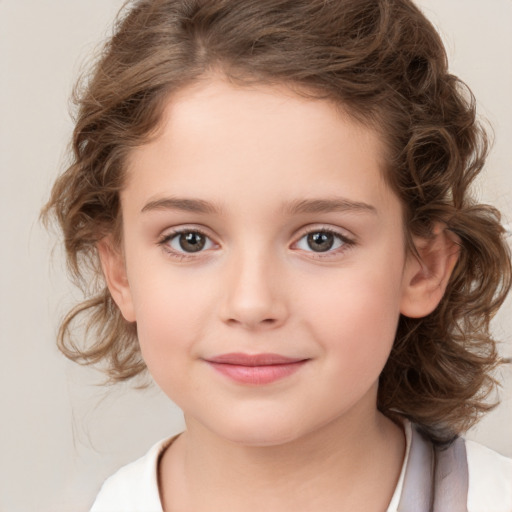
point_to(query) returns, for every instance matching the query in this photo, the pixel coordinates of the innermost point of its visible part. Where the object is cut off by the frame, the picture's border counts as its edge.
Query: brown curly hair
(386, 65)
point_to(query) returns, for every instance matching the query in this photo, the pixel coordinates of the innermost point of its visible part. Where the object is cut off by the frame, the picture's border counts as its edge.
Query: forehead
(264, 139)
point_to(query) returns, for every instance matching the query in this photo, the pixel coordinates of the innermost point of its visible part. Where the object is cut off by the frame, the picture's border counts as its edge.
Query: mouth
(257, 369)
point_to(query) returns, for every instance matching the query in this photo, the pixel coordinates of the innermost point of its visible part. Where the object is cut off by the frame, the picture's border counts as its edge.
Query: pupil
(320, 241)
(192, 242)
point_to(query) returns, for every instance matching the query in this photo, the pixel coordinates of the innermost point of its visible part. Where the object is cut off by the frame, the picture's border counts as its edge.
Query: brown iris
(320, 241)
(192, 242)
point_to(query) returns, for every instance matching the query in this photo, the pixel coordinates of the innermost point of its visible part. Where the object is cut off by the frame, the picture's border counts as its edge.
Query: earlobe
(426, 277)
(114, 270)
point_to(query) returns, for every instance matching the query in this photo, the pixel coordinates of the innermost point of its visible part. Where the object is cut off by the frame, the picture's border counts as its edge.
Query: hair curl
(384, 63)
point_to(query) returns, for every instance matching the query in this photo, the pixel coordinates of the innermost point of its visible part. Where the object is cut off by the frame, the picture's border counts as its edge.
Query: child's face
(291, 244)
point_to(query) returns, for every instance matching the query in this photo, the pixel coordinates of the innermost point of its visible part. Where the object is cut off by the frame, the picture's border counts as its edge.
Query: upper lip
(254, 359)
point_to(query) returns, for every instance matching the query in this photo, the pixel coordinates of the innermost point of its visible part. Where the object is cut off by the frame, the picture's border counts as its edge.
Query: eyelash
(163, 242)
(347, 242)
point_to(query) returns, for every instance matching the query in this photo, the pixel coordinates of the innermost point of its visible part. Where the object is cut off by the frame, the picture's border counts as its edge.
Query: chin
(261, 439)
(259, 432)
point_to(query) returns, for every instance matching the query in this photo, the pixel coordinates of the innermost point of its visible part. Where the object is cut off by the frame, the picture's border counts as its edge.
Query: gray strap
(435, 480)
(419, 474)
(451, 478)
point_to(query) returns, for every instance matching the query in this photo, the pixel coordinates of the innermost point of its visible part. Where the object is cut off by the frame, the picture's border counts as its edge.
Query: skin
(315, 439)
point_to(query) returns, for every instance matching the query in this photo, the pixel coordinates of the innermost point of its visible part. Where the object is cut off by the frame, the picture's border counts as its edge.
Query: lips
(255, 369)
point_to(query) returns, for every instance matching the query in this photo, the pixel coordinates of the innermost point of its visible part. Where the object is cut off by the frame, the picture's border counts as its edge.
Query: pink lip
(255, 369)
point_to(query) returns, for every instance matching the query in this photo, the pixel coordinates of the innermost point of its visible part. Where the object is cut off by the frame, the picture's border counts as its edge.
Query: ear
(114, 270)
(426, 277)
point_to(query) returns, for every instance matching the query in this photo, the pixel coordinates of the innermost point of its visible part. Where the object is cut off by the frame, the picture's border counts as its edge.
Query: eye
(322, 241)
(187, 241)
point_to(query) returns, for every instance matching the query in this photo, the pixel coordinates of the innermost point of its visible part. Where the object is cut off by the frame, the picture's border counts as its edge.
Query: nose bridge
(253, 294)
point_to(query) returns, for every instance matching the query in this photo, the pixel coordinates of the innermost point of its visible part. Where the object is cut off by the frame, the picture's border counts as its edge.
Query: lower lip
(257, 375)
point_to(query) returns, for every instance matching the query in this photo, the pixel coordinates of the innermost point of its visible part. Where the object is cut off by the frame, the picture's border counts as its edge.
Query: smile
(255, 369)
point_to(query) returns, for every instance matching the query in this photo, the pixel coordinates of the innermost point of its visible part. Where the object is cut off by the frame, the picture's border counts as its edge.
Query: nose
(254, 293)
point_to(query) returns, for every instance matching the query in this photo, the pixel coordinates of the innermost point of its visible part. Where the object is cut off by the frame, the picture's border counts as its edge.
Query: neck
(352, 463)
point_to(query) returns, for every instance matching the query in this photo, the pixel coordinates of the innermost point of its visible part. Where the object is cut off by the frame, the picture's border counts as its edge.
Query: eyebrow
(299, 206)
(187, 205)
(335, 204)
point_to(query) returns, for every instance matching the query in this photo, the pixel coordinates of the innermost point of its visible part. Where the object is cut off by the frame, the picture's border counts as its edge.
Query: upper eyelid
(167, 236)
(343, 233)
(164, 243)
(173, 231)
(349, 241)
(339, 231)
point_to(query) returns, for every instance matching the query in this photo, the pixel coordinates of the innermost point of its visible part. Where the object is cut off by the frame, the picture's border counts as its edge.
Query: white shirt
(134, 487)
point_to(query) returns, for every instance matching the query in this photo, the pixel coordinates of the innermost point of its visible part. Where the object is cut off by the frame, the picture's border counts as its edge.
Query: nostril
(253, 323)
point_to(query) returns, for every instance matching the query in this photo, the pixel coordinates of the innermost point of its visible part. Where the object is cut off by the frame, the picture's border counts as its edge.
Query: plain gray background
(60, 433)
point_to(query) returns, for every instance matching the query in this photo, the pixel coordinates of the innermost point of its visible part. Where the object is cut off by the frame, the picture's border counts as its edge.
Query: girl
(273, 198)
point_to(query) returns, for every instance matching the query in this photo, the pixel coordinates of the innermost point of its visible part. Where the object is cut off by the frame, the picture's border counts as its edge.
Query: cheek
(356, 318)
(170, 312)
